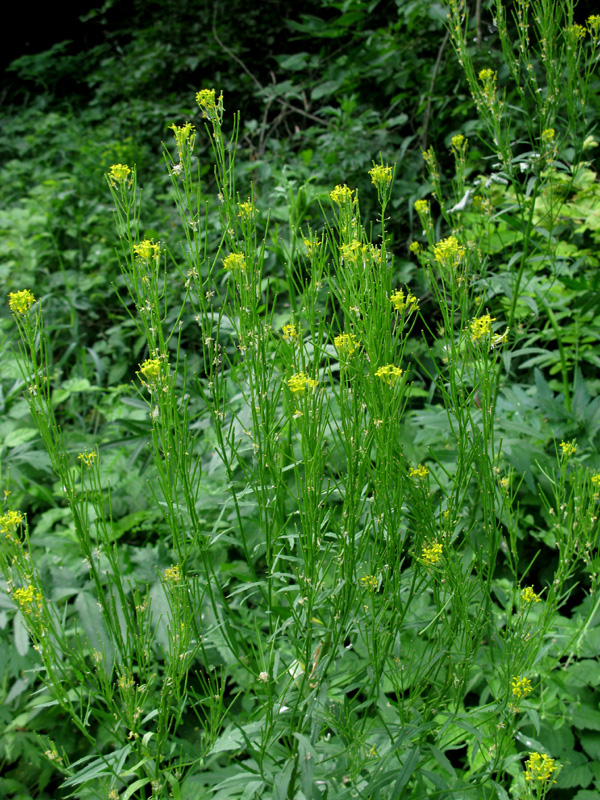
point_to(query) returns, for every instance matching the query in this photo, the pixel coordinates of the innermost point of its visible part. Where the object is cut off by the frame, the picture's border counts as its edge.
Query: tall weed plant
(351, 623)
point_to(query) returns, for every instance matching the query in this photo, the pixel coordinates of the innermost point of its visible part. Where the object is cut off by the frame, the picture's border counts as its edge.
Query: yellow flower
(390, 374)
(172, 574)
(420, 471)
(184, 134)
(481, 326)
(354, 251)
(346, 344)
(118, 173)
(486, 75)
(235, 262)
(430, 555)
(415, 247)
(457, 141)
(539, 767)
(578, 32)
(28, 599)
(521, 687)
(529, 596)
(341, 195)
(408, 303)
(312, 247)
(448, 252)
(207, 102)
(568, 449)
(150, 369)
(147, 249)
(88, 457)
(300, 381)
(370, 582)
(422, 207)
(21, 302)
(290, 332)
(548, 135)
(594, 24)
(246, 210)
(10, 521)
(381, 176)
(595, 482)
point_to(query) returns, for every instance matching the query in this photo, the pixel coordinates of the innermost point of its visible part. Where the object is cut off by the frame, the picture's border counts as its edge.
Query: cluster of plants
(293, 509)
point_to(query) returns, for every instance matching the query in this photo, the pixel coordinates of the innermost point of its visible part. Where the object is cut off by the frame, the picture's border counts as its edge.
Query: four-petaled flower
(430, 555)
(20, 302)
(341, 194)
(568, 449)
(521, 687)
(390, 374)
(381, 176)
(118, 173)
(481, 327)
(529, 596)
(147, 249)
(539, 767)
(449, 252)
(419, 471)
(300, 381)
(404, 302)
(235, 262)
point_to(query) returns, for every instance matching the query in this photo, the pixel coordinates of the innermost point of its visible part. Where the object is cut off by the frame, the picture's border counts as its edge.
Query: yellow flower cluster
(548, 135)
(457, 141)
(578, 31)
(422, 207)
(118, 173)
(207, 102)
(402, 302)
(431, 554)
(235, 262)
(246, 210)
(346, 344)
(184, 134)
(448, 252)
(87, 457)
(381, 176)
(419, 471)
(568, 448)
(415, 247)
(594, 24)
(28, 599)
(370, 582)
(10, 521)
(521, 687)
(481, 327)
(390, 374)
(290, 332)
(354, 251)
(20, 302)
(300, 381)
(595, 483)
(529, 596)
(147, 249)
(539, 767)
(341, 195)
(172, 574)
(150, 369)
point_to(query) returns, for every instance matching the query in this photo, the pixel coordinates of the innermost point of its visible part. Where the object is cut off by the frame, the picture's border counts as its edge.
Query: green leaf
(584, 717)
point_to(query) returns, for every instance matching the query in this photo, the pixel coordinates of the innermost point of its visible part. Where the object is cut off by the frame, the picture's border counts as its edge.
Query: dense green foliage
(351, 618)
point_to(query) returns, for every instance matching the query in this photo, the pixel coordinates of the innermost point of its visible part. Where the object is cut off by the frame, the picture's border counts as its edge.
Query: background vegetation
(322, 94)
